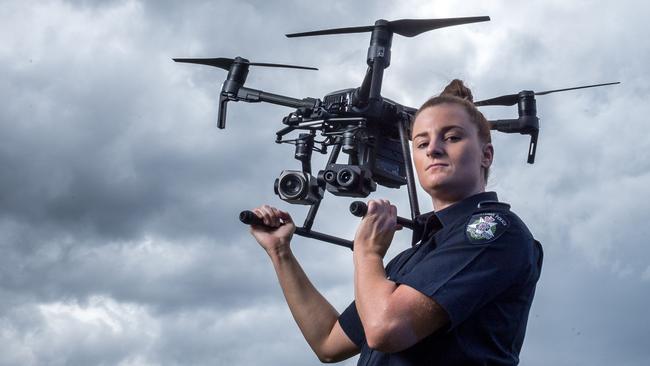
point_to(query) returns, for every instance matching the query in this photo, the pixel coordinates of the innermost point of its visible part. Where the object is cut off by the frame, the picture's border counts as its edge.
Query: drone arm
(363, 92)
(528, 125)
(377, 78)
(254, 96)
(506, 125)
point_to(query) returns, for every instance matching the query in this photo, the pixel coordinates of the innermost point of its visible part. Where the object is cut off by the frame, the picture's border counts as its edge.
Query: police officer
(461, 296)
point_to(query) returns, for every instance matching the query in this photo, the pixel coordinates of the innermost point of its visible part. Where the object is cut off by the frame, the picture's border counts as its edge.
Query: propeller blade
(512, 99)
(507, 100)
(221, 62)
(323, 32)
(403, 27)
(577, 87)
(282, 65)
(226, 63)
(413, 27)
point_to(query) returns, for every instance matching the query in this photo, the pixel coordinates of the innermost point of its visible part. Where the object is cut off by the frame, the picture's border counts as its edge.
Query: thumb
(284, 215)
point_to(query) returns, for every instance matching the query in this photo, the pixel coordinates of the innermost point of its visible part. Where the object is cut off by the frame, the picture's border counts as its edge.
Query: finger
(372, 207)
(375, 206)
(260, 215)
(386, 205)
(276, 216)
(267, 213)
(398, 227)
(263, 215)
(393, 210)
(284, 215)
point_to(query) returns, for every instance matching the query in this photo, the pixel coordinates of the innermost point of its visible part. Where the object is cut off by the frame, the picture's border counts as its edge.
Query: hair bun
(458, 89)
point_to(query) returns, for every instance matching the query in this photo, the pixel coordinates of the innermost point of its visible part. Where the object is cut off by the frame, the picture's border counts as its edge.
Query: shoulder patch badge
(485, 227)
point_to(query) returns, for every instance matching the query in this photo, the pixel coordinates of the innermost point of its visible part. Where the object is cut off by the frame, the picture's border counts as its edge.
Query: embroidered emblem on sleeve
(485, 227)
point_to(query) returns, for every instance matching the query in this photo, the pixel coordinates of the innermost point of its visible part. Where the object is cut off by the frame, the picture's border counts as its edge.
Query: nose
(435, 148)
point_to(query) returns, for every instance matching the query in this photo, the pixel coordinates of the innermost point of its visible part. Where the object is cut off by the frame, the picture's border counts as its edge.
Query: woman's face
(448, 154)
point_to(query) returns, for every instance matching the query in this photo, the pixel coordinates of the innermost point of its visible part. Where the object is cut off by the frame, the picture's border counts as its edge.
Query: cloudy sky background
(119, 237)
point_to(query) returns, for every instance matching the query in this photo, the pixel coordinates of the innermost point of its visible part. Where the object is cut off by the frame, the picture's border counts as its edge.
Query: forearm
(386, 326)
(314, 315)
(372, 290)
(394, 317)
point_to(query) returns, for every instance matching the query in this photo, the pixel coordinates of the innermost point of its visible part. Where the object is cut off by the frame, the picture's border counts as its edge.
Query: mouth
(436, 166)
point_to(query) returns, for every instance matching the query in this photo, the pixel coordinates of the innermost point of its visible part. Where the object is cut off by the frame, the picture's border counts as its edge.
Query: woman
(461, 296)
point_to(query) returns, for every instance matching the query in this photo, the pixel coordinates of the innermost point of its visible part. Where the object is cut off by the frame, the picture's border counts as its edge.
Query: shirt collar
(463, 208)
(429, 223)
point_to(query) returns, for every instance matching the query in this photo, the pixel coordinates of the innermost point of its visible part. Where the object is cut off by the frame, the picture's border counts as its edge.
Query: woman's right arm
(315, 316)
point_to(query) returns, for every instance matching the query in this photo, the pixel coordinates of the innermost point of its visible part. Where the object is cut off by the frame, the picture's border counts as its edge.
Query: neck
(442, 201)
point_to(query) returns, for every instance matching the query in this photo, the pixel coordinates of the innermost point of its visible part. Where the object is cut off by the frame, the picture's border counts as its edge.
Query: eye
(453, 138)
(422, 144)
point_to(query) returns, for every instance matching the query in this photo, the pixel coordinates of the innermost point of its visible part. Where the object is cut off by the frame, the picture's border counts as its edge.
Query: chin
(446, 189)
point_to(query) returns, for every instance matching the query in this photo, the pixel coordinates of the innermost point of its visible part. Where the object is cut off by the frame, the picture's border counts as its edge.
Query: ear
(488, 155)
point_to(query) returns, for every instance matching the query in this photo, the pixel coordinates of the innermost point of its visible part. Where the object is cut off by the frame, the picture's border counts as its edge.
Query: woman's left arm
(394, 317)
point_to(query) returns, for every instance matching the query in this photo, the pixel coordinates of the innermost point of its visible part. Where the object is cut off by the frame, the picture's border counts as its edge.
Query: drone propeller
(512, 99)
(403, 27)
(226, 63)
(237, 72)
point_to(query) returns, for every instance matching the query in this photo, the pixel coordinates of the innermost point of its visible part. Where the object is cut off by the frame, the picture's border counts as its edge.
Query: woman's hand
(276, 235)
(376, 230)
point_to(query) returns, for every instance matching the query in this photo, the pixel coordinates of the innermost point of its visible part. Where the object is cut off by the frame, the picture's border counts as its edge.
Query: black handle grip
(359, 209)
(249, 218)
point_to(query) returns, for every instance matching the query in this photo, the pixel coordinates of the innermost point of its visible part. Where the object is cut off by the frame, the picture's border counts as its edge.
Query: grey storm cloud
(119, 197)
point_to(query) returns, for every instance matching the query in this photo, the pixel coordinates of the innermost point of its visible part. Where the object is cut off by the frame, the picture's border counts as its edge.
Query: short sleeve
(351, 325)
(462, 277)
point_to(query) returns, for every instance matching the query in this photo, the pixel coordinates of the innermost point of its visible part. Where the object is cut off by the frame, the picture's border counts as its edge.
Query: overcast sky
(119, 237)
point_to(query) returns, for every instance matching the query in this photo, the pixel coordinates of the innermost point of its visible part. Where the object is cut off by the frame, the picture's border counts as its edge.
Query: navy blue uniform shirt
(479, 262)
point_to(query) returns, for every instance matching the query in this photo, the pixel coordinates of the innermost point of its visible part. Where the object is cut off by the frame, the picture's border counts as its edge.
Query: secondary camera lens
(346, 177)
(330, 177)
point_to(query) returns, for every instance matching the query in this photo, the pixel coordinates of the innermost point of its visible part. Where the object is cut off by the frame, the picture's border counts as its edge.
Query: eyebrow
(443, 131)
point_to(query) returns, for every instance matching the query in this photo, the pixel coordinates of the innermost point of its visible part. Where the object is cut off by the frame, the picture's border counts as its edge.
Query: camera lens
(292, 185)
(346, 178)
(330, 177)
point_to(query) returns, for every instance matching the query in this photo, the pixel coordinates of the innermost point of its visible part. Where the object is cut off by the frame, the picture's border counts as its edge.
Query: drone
(371, 130)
